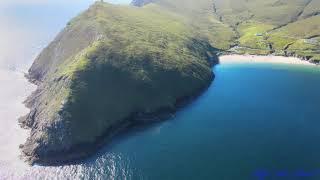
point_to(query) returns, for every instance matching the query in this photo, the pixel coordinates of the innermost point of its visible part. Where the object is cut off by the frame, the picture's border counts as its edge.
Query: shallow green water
(256, 121)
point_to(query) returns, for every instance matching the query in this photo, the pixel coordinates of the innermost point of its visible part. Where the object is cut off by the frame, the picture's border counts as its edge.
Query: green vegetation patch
(276, 12)
(141, 62)
(200, 18)
(254, 35)
(305, 28)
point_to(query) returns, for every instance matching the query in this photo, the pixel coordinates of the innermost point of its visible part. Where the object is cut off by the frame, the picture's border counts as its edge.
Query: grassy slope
(299, 37)
(252, 34)
(142, 51)
(141, 61)
(200, 16)
(296, 33)
(294, 22)
(226, 22)
(311, 9)
(275, 12)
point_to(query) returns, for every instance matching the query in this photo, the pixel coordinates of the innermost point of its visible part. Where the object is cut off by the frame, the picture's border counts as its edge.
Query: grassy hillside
(275, 12)
(300, 38)
(201, 17)
(140, 62)
(255, 26)
(253, 34)
(313, 8)
(274, 26)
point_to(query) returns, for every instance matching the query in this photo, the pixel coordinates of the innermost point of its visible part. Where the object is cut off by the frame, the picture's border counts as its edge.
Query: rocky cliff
(110, 68)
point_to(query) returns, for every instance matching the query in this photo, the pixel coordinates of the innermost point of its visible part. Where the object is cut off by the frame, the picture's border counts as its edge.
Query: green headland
(115, 66)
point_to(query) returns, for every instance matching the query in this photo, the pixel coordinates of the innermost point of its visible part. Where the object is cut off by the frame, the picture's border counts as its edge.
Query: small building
(259, 34)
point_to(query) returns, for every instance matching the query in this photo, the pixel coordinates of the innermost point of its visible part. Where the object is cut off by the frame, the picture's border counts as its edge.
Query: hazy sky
(26, 26)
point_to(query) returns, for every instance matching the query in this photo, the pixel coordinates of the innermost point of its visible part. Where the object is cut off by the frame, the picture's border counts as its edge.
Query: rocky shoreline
(80, 152)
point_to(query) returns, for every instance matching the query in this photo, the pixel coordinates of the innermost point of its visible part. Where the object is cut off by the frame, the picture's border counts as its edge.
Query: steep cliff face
(68, 42)
(109, 68)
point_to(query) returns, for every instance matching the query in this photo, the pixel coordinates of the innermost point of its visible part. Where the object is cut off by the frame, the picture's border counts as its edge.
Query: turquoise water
(255, 120)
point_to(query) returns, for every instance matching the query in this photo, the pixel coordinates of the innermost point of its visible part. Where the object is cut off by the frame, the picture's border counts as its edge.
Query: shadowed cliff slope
(109, 68)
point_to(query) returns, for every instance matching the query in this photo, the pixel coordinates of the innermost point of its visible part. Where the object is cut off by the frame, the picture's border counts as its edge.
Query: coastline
(80, 152)
(16, 90)
(236, 58)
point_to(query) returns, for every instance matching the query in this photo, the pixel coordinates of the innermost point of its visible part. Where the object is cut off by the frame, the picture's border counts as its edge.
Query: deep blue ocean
(256, 121)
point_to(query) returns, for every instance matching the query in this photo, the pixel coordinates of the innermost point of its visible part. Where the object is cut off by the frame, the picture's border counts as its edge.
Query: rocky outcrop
(97, 79)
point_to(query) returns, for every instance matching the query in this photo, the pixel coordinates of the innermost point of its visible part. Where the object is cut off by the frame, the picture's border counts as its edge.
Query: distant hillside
(200, 15)
(282, 27)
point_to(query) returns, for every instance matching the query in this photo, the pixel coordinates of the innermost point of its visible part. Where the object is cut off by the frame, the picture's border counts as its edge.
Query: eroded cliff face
(111, 67)
(68, 42)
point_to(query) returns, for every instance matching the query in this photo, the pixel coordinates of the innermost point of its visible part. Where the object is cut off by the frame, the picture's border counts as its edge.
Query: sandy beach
(262, 59)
